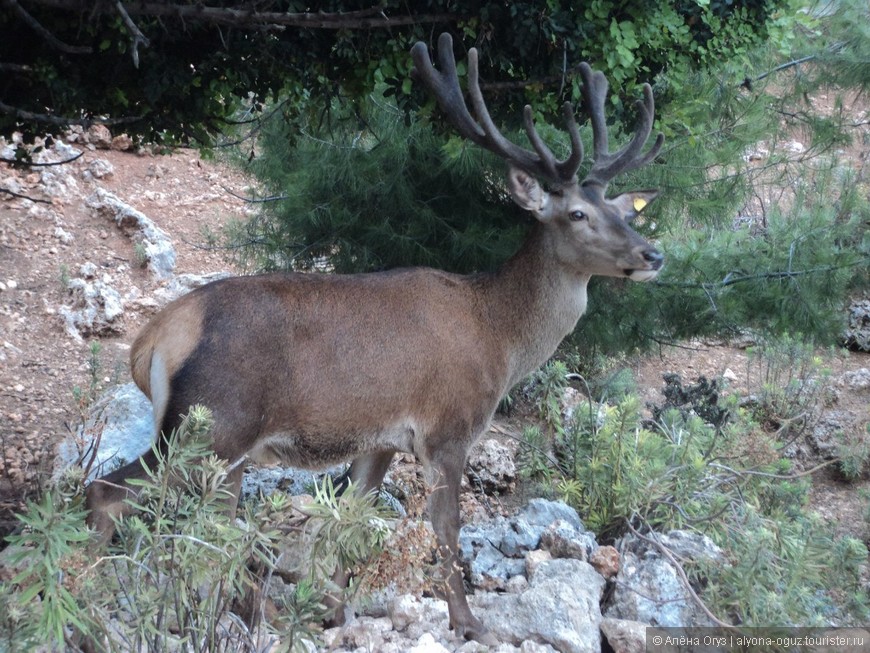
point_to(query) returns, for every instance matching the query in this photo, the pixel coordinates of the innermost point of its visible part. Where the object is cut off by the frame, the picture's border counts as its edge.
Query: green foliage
(533, 460)
(195, 74)
(547, 388)
(854, 455)
(376, 193)
(181, 566)
(84, 397)
(347, 528)
(45, 606)
(785, 570)
(794, 384)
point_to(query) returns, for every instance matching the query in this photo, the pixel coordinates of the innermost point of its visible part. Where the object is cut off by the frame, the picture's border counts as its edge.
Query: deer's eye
(577, 216)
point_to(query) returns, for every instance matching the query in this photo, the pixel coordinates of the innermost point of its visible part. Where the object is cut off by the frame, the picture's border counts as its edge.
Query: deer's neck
(534, 302)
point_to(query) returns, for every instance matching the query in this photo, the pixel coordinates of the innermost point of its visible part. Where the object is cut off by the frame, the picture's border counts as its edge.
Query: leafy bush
(794, 384)
(183, 573)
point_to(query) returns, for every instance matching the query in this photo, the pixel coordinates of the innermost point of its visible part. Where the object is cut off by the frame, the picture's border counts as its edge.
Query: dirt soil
(44, 243)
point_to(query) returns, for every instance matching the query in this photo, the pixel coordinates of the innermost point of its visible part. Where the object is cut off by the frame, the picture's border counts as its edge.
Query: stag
(316, 369)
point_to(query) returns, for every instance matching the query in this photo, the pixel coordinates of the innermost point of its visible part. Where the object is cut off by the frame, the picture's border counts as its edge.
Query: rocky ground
(90, 249)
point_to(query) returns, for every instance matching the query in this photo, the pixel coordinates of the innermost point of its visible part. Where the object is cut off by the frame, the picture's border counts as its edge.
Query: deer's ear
(526, 191)
(631, 204)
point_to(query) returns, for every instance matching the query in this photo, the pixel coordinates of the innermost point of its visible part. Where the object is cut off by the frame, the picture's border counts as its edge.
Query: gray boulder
(495, 551)
(158, 249)
(122, 419)
(648, 588)
(559, 608)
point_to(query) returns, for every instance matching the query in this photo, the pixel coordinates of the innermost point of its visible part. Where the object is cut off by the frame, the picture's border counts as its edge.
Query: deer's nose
(653, 257)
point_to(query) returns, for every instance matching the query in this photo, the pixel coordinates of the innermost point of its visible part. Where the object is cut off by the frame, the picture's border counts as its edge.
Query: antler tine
(564, 171)
(607, 165)
(483, 132)
(445, 86)
(594, 94)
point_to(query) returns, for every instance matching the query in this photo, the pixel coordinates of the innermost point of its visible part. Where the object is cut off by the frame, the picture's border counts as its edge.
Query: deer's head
(589, 232)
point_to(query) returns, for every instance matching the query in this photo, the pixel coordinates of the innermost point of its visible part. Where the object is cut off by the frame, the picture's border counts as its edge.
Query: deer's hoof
(478, 632)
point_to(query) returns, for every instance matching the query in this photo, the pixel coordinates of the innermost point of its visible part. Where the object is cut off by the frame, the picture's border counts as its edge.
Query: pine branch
(785, 274)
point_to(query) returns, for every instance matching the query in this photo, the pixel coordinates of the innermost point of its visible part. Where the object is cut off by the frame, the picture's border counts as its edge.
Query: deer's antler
(607, 165)
(445, 87)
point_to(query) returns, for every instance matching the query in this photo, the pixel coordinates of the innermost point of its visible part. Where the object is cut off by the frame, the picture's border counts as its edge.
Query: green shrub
(707, 464)
(182, 570)
(794, 384)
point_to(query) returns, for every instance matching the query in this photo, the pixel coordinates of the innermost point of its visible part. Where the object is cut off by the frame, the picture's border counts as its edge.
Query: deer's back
(310, 362)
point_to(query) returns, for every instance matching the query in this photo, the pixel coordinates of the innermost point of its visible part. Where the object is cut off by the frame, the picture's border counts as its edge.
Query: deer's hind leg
(366, 473)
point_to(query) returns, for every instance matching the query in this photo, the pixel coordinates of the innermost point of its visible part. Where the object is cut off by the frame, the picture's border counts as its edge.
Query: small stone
(122, 143)
(729, 375)
(99, 169)
(516, 585)
(100, 136)
(534, 560)
(404, 611)
(427, 644)
(491, 467)
(11, 284)
(857, 379)
(624, 636)
(605, 559)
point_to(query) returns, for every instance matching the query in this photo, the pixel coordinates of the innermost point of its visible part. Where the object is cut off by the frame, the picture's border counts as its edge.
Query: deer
(315, 369)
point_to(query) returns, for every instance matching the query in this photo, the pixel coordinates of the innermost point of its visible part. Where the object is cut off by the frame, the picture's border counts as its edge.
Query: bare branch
(371, 18)
(15, 67)
(683, 577)
(31, 164)
(63, 121)
(37, 27)
(138, 37)
(255, 200)
(24, 197)
(730, 280)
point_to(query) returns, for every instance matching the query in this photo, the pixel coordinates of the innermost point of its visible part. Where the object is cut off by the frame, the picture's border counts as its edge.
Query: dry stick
(23, 197)
(255, 200)
(370, 18)
(784, 477)
(32, 164)
(65, 120)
